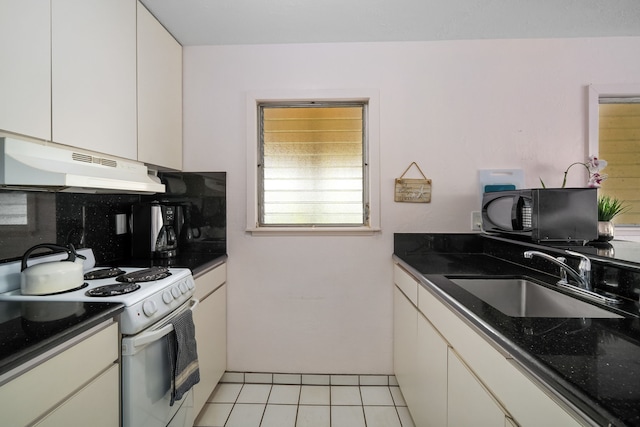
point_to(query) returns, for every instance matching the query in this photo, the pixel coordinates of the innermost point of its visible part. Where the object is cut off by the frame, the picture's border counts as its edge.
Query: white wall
(324, 304)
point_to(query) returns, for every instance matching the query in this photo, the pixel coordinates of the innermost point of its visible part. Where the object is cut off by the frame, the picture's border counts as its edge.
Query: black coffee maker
(155, 229)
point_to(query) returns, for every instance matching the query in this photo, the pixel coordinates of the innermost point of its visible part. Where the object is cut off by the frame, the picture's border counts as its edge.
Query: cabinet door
(25, 79)
(405, 334)
(526, 401)
(159, 94)
(469, 403)
(210, 320)
(93, 65)
(431, 376)
(96, 405)
(46, 386)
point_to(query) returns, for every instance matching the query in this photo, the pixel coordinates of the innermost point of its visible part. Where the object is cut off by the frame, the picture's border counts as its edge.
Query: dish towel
(183, 356)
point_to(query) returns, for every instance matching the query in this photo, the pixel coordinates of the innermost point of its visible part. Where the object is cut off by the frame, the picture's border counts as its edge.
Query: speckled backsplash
(89, 220)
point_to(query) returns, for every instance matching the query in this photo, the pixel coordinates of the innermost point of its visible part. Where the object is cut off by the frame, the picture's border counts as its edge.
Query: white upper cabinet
(93, 66)
(25, 79)
(159, 94)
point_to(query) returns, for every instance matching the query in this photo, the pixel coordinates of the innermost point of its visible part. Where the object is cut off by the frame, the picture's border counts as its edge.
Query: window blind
(312, 165)
(619, 145)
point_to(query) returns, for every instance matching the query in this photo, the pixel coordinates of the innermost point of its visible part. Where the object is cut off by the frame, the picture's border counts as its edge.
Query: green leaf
(610, 207)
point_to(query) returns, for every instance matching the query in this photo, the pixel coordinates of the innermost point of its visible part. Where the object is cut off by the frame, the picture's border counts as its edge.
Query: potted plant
(608, 208)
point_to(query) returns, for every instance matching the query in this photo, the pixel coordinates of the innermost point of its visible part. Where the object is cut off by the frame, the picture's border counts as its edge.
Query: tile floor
(293, 400)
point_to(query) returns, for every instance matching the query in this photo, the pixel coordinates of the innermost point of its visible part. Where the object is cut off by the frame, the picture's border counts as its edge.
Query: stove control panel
(157, 306)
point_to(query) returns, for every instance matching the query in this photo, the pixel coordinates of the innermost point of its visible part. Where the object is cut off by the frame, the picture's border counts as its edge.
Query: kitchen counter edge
(203, 269)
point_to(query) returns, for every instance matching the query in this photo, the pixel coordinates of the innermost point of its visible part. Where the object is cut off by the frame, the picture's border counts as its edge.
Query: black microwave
(542, 214)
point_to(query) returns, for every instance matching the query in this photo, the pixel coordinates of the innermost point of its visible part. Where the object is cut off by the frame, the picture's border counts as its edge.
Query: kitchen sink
(521, 297)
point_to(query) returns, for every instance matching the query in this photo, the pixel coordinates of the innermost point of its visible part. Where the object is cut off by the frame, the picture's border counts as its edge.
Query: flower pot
(606, 231)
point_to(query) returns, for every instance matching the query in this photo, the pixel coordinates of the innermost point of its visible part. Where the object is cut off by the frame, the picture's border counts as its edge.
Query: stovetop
(146, 303)
(83, 294)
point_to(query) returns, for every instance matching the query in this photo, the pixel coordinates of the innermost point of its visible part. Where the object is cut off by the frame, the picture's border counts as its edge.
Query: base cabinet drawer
(47, 387)
(95, 405)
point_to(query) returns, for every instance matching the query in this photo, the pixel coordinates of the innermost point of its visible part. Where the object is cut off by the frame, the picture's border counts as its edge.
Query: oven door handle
(151, 336)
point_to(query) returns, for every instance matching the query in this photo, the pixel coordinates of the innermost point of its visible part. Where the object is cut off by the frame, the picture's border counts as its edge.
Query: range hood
(34, 166)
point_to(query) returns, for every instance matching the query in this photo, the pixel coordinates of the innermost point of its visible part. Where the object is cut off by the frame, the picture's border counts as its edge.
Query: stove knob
(175, 292)
(149, 308)
(191, 285)
(166, 297)
(183, 287)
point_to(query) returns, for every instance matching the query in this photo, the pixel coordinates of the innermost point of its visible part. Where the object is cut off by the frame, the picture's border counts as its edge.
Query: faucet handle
(585, 262)
(584, 268)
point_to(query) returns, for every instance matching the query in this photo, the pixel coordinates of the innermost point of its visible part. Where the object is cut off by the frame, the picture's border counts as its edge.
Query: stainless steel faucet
(582, 276)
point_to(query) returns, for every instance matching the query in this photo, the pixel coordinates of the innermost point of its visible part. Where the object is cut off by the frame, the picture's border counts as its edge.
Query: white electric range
(156, 294)
(153, 297)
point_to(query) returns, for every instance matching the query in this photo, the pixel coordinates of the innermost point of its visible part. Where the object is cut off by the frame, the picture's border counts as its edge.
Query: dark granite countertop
(26, 333)
(593, 363)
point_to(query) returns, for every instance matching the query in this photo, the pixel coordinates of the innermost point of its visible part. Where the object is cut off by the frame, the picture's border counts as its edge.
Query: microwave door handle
(516, 214)
(151, 336)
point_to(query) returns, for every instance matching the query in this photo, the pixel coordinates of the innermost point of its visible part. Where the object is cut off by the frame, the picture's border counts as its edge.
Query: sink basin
(520, 297)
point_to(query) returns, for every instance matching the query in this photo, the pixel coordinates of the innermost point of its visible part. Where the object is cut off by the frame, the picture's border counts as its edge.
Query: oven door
(146, 379)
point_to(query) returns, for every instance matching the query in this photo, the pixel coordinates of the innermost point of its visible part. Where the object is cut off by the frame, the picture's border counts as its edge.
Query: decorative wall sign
(413, 190)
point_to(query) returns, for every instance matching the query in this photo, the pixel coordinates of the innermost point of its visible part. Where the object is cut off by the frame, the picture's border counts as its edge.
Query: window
(313, 165)
(615, 136)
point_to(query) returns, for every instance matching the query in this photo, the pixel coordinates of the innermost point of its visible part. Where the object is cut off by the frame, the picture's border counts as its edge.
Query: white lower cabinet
(469, 403)
(451, 376)
(81, 408)
(431, 376)
(78, 385)
(420, 361)
(210, 319)
(405, 333)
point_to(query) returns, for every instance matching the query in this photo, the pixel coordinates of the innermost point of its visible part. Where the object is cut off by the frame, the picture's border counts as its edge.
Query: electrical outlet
(476, 221)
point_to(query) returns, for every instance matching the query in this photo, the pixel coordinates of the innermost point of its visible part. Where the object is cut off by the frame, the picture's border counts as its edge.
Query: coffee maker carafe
(154, 230)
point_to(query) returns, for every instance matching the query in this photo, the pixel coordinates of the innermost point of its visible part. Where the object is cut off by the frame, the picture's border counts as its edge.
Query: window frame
(595, 92)
(372, 145)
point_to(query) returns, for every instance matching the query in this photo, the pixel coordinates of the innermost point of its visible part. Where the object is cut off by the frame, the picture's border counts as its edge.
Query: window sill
(627, 232)
(313, 231)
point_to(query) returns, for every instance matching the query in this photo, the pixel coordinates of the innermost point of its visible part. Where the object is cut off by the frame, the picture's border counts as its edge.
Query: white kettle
(54, 276)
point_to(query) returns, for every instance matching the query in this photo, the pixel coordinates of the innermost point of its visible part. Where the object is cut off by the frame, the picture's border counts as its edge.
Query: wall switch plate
(121, 224)
(476, 221)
